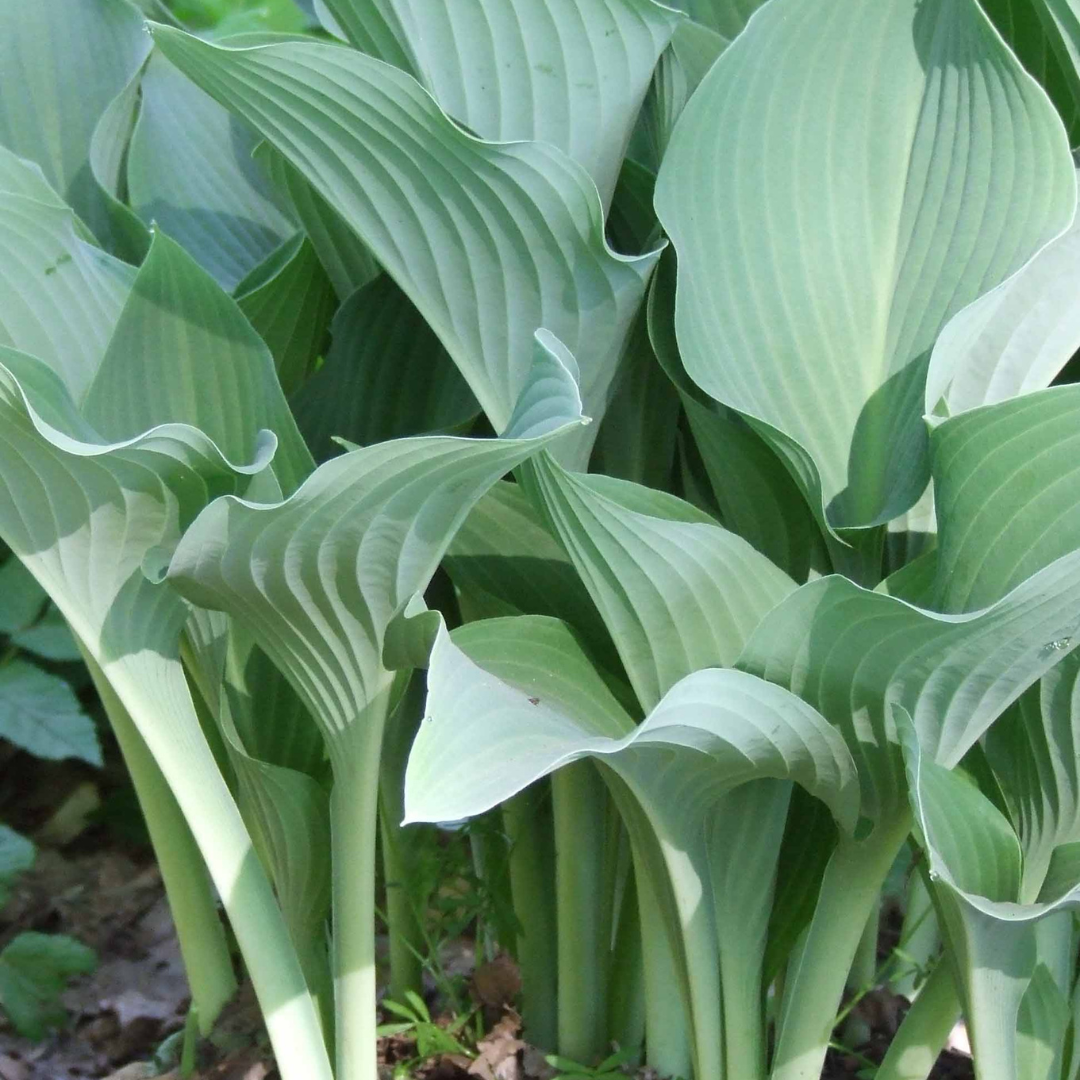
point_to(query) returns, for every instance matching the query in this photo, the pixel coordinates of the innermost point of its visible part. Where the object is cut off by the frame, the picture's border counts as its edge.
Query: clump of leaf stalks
(709, 354)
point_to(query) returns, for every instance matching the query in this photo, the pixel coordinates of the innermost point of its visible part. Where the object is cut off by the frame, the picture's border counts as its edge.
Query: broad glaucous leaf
(61, 65)
(318, 579)
(1013, 340)
(190, 171)
(290, 300)
(386, 376)
(509, 240)
(504, 561)
(62, 295)
(840, 254)
(344, 256)
(91, 493)
(557, 71)
(524, 695)
(748, 483)
(1006, 572)
(977, 867)
(675, 590)
(1045, 35)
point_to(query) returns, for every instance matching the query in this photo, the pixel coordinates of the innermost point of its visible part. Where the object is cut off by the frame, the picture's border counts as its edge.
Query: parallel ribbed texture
(488, 241)
(834, 206)
(190, 170)
(290, 305)
(852, 653)
(317, 579)
(1007, 484)
(221, 376)
(714, 730)
(1016, 338)
(61, 64)
(676, 591)
(86, 517)
(386, 376)
(60, 297)
(567, 73)
(1034, 750)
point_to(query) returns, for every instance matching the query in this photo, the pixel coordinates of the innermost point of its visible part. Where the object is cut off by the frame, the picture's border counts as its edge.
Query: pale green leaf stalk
(318, 580)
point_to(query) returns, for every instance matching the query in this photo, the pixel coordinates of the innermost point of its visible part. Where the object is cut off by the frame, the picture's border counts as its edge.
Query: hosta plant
(670, 386)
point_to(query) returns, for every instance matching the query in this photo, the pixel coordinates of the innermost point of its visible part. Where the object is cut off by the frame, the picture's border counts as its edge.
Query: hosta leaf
(385, 376)
(637, 438)
(1016, 338)
(851, 653)
(503, 557)
(129, 236)
(217, 361)
(344, 255)
(1041, 1025)
(1007, 494)
(16, 855)
(508, 239)
(812, 287)
(85, 515)
(34, 969)
(676, 591)
(318, 578)
(61, 64)
(40, 713)
(562, 72)
(189, 169)
(727, 17)
(290, 300)
(525, 699)
(976, 864)
(1033, 752)
(61, 295)
(747, 481)
(1045, 35)
(693, 50)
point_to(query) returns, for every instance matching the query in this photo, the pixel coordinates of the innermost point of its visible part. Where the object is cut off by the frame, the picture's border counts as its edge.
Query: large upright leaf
(290, 300)
(1007, 493)
(489, 241)
(174, 302)
(1016, 338)
(726, 17)
(1045, 35)
(62, 295)
(61, 64)
(526, 698)
(845, 179)
(318, 578)
(1032, 750)
(736, 728)
(385, 376)
(676, 591)
(84, 515)
(976, 865)
(189, 169)
(851, 653)
(559, 71)
(344, 256)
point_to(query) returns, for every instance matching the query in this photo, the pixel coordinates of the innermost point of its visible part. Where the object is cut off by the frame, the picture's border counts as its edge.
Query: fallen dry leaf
(499, 1049)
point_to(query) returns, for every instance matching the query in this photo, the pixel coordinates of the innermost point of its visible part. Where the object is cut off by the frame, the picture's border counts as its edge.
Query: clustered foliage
(634, 422)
